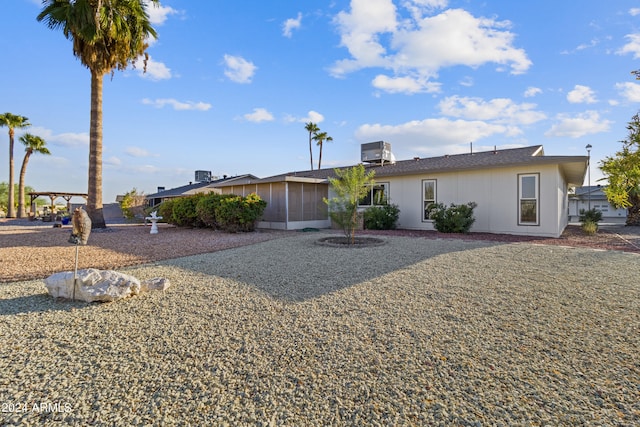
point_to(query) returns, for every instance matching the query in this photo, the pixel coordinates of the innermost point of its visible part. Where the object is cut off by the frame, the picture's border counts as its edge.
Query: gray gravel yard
(286, 332)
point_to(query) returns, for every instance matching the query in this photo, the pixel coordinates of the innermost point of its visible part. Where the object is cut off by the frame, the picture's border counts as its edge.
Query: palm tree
(34, 144)
(312, 128)
(12, 121)
(106, 35)
(320, 137)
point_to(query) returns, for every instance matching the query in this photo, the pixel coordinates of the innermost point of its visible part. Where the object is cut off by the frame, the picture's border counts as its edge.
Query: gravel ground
(287, 332)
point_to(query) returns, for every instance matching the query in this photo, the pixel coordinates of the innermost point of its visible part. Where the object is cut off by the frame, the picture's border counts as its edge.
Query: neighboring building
(194, 188)
(594, 196)
(517, 191)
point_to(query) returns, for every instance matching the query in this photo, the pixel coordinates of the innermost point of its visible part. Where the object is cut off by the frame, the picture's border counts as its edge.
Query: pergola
(53, 195)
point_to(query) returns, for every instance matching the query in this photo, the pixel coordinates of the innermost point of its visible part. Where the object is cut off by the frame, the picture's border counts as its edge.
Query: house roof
(573, 167)
(593, 192)
(193, 188)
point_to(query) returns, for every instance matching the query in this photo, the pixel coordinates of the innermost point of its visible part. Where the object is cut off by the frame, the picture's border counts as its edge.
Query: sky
(230, 85)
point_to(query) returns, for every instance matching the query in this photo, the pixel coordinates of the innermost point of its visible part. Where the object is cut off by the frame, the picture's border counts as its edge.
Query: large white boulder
(99, 285)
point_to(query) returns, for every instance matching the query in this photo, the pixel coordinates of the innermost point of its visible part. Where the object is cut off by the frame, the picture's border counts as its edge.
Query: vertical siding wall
(496, 193)
(287, 202)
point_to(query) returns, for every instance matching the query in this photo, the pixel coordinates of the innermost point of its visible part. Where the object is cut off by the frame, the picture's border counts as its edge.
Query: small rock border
(344, 242)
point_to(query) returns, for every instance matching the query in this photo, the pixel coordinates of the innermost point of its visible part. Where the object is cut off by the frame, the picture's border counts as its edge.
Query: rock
(93, 285)
(155, 284)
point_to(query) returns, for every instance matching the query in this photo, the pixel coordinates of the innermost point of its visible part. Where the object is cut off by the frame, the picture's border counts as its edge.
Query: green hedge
(220, 211)
(237, 213)
(206, 208)
(381, 217)
(453, 219)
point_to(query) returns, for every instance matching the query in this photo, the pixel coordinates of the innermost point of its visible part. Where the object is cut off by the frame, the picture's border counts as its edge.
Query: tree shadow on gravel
(39, 303)
(297, 269)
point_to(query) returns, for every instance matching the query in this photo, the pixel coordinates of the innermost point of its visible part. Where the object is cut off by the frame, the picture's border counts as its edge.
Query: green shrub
(164, 209)
(453, 219)
(238, 213)
(206, 208)
(350, 186)
(184, 211)
(381, 217)
(132, 204)
(593, 215)
(590, 227)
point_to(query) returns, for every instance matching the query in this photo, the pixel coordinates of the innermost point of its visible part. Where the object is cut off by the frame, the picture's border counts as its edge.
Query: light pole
(588, 147)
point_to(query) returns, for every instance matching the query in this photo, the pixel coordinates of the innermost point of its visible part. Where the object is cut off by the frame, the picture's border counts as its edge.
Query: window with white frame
(429, 193)
(377, 195)
(528, 199)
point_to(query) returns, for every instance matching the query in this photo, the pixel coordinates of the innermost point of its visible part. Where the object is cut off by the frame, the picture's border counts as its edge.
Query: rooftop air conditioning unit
(203, 176)
(376, 152)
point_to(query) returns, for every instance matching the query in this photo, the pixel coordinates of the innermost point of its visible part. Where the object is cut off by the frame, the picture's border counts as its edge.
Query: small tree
(623, 174)
(132, 204)
(350, 186)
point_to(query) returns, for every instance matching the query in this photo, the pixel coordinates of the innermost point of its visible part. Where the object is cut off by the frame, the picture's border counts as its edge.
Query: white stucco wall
(496, 193)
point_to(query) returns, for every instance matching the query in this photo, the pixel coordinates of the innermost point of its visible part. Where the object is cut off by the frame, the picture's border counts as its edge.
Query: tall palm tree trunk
(310, 152)
(320, 157)
(11, 204)
(94, 190)
(22, 213)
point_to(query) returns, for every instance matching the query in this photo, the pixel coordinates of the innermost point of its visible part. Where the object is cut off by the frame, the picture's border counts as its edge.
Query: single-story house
(517, 191)
(194, 188)
(593, 197)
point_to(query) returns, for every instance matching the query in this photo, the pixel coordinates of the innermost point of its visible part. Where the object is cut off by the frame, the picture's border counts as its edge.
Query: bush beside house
(381, 217)
(224, 212)
(454, 218)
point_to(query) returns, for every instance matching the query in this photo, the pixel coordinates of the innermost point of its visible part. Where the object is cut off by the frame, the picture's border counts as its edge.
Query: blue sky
(231, 84)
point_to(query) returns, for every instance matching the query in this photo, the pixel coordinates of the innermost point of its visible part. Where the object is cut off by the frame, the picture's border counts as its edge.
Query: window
(428, 197)
(528, 203)
(377, 195)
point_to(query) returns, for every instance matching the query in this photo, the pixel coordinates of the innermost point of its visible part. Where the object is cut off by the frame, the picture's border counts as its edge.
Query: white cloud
(360, 30)
(587, 123)
(291, 24)
(632, 47)
(499, 110)
(377, 35)
(467, 81)
(239, 69)
(532, 91)
(312, 116)
(581, 95)
(431, 136)
(67, 139)
(138, 152)
(630, 91)
(158, 14)
(259, 115)
(634, 11)
(177, 105)
(404, 84)
(112, 161)
(155, 70)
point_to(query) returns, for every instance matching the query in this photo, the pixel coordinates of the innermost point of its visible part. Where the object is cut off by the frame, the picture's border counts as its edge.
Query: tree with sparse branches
(12, 121)
(312, 128)
(350, 187)
(106, 35)
(33, 144)
(623, 173)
